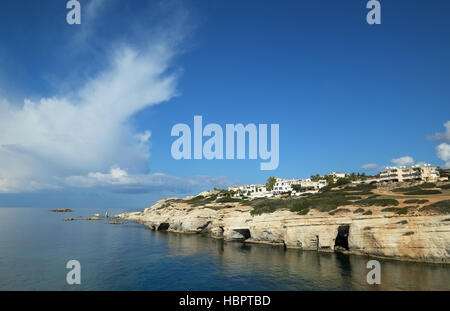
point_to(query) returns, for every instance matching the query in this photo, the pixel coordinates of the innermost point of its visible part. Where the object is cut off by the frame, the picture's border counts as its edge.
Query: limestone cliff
(408, 237)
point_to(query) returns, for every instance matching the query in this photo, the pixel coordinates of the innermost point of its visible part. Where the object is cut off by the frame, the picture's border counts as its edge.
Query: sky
(86, 111)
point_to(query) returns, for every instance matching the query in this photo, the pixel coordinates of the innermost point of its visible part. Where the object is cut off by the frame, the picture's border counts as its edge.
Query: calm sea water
(35, 246)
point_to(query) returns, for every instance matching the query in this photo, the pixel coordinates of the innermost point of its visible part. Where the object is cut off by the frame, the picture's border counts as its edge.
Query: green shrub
(304, 211)
(405, 189)
(418, 190)
(262, 210)
(367, 213)
(390, 209)
(418, 201)
(423, 192)
(201, 200)
(399, 211)
(373, 196)
(339, 210)
(228, 200)
(261, 206)
(428, 185)
(366, 187)
(402, 211)
(326, 188)
(324, 202)
(442, 207)
(299, 206)
(445, 186)
(342, 181)
(349, 193)
(353, 197)
(412, 206)
(358, 210)
(195, 199)
(377, 202)
(270, 183)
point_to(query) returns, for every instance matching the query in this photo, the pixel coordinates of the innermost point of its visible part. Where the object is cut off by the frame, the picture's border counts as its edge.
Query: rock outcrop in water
(410, 237)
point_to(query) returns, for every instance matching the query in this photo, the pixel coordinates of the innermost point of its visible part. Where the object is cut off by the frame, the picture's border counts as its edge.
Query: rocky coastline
(416, 237)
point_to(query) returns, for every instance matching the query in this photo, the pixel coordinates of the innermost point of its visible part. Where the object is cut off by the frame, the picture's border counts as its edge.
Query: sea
(36, 245)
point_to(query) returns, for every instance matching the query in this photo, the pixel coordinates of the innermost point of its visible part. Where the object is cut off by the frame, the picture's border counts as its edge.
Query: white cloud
(43, 141)
(92, 8)
(443, 150)
(403, 161)
(90, 11)
(118, 180)
(444, 137)
(369, 166)
(443, 153)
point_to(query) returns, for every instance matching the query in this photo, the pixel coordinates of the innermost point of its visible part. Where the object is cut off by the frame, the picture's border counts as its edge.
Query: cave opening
(341, 241)
(163, 226)
(244, 232)
(241, 234)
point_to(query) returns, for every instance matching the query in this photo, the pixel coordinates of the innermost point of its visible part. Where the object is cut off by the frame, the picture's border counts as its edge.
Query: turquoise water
(35, 246)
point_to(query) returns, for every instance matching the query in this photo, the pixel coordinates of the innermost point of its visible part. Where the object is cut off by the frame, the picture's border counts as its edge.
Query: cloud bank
(369, 166)
(443, 153)
(403, 161)
(84, 138)
(444, 137)
(118, 180)
(88, 130)
(443, 149)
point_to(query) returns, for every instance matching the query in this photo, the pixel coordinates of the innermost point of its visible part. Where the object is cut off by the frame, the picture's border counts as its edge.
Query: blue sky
(102, 97)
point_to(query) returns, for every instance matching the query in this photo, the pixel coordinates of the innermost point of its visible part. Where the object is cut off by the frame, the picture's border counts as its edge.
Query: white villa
(255, 191)
(281, 186)
(314, 185)
(284, 185)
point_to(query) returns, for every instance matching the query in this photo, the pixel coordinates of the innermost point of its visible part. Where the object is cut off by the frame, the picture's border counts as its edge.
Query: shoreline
(281, 245)
(412, 238)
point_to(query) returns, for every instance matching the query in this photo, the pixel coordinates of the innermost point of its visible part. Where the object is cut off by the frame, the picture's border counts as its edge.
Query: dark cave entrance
(163, 226)
(341, 241)
(245, 233)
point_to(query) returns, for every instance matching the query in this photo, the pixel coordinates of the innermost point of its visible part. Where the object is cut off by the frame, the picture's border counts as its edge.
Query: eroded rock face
(238, 234)
(420, 238)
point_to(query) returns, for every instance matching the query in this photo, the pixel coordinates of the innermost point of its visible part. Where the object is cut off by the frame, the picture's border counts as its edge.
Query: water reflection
(307, 270)
(35, 246)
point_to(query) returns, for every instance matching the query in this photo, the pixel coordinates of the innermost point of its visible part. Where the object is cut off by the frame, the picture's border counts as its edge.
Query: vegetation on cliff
(442, 207)
(423, 189)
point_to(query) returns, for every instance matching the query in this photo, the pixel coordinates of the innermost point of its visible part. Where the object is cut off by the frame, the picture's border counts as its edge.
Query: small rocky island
(61, 210)
(406, 221)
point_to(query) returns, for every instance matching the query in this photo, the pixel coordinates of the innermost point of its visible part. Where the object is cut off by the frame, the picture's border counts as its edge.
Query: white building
(284, 185)
(307, 185)
(256, 191)
(281, 186)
